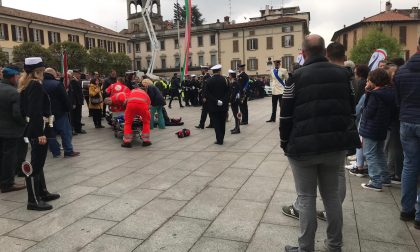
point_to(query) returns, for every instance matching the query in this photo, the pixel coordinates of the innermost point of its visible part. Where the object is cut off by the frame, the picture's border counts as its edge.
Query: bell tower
(135, 19)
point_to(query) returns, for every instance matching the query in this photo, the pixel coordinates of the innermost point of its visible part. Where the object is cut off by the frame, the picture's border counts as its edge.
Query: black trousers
(22, 150)
(274, 100)
(219, 123)
(187, 97)
(175, 93)
(104, 110)
(8, 161)
(244, 110)
(76, 118)
(97, 116)
(36, 181)
(235, 110)
(203, 117)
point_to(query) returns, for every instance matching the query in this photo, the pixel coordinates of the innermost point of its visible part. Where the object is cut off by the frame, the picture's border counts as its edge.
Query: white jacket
(277, 87)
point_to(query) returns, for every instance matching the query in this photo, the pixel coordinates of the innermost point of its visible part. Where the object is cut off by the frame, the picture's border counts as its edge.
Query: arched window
(133, 9)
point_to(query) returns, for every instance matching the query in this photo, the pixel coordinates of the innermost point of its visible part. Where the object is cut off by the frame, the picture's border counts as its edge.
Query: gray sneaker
(289, 248)
(290, 211)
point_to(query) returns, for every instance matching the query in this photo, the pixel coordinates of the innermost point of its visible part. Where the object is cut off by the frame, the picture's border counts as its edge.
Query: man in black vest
(243, 80)
(317, 128)
(217, 96)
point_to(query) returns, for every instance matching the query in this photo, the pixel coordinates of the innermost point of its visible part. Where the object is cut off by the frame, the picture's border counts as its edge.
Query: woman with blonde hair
(36, 107)
(96, 102)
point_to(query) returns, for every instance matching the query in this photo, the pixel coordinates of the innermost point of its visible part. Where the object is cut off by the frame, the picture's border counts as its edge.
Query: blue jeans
(410, 139)
(376, 159)
(63, 128)
(161, 121)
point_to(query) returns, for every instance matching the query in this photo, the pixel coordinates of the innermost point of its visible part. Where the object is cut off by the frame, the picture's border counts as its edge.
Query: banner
(187, 40)
(64, 69)
(377, 56)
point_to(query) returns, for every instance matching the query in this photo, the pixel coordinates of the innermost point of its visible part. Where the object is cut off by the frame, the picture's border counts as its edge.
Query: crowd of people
(330, 111)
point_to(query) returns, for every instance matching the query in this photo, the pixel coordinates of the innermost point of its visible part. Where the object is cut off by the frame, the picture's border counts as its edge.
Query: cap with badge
(242, 65)
(231, 71)
(33, 63)
(216, 67)
(204, 67)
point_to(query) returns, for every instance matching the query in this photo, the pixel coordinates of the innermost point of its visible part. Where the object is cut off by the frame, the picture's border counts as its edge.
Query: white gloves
(238, 96)
(219, 103)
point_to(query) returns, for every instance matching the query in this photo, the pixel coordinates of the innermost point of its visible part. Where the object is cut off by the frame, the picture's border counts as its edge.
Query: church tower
(135, 19)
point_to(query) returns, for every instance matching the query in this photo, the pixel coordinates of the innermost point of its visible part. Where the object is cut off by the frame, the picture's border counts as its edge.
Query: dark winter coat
(217, 88)
(407, 82)
(156, 97)
(318, 111)
(60, 102)
(378, 112)
(12, 123)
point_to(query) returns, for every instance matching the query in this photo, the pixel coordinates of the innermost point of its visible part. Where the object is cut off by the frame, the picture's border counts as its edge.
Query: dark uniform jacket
(317, 112)
(217, 88)
(76, 92)
(12, 124)
(235, 93)
(155, 95)
(35, 104)
(60, 102)
(243, 80)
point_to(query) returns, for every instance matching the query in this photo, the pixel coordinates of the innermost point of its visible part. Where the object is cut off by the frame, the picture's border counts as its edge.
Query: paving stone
(110, 243)
(208, 204)
(368, 246)
(74, 237)
(228, 156)
(59, 219)
(232, 178)
(149, 218)
(271, 169)
(7, 206)
(178, 234)
(249, 161)
(11, 244)
(7, 225)
(159, 166)
(273, 238)
(121, 208)
(108, 177)
(124, 184)
(287, 183)
(212, 168)
(68, 195)
(187, 188)
(238, 221)
(190, 164)
(396, 230)
(67, 181)
(206, 244)
(165, 180)
(259, 189)
(360, 194)
(274, 213)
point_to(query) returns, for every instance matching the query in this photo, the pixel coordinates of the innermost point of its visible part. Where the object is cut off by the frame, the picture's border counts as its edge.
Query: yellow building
(404, 25)
(17, 26)
(276, 34)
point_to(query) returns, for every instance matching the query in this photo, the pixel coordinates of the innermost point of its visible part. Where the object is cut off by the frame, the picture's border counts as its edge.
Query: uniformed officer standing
(186, 86)
(194, 90)
(175, 87)
(235, 100)
(36, 107)
(217, 96)
(279, 77)
(243, 80)
(204, 112)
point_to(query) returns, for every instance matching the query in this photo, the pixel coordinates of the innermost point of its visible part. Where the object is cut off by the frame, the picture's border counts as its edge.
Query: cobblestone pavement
(188, 195)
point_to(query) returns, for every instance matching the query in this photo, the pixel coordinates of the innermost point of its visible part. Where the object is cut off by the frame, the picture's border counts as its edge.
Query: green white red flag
(187, 40)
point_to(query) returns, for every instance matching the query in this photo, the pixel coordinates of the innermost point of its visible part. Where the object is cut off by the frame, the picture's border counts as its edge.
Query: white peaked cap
(231, 71)
(33, 61)
(193, 75)
(204, 67)
(216, 67)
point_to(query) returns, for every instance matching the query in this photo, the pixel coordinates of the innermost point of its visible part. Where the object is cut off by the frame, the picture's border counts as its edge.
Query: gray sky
(327, 16)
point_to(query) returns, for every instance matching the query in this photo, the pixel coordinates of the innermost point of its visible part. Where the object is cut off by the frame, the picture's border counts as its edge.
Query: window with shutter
(25, 34)
(5, 29)
(212, 39)
(252, 44)
(252, 64)
(115, 47)
(162, 45)
(236, 46)
(200, 41)
(148, 46)
(269, 43)
(14, 33)
(70, 38)
(31, 35)
(35, 35)
(234, 64)
(42, 37)
(403, 35)
(287, 41)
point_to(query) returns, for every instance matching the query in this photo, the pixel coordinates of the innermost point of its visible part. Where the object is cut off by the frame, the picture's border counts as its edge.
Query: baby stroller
(118, 127)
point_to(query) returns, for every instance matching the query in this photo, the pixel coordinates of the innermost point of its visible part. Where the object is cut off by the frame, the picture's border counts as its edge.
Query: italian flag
(187, 40)
(64, 68)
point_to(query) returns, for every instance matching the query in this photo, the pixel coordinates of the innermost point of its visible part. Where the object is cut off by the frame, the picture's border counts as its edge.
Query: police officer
(37, 109)
(279, 77)
(186, 86)
(217, 97)
(194, 90)
(204, 112)
(235, 100)
(243, 80)
(175, 87)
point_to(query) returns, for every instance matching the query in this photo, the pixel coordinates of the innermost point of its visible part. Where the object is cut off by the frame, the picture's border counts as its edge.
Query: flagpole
(179, 39)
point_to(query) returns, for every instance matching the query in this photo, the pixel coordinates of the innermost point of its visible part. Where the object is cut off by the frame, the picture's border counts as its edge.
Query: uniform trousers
(76, 118)
(274, 100)
(8, 161)
(235, 110)
(219, 123)
(244, 110)
(134, 109)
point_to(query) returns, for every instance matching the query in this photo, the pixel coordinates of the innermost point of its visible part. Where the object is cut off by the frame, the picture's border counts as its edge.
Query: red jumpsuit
(114, 89)
(138, 103)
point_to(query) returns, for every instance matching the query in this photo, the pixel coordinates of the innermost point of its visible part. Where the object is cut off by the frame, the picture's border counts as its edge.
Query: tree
(121, 63)
(99, 60)
(375, 39)
(30, 49)
(76, 55)
(4, 59)
(196, 16)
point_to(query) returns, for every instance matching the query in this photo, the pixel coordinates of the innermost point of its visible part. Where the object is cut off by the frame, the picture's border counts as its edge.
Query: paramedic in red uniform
(138, 103)
(118, 87)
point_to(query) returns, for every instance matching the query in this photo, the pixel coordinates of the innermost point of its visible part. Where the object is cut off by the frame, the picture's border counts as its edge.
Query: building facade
(17, 26)
(403, 25)
(276, 34)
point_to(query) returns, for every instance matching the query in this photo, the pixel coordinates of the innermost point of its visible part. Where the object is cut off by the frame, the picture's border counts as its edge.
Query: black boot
(44, 195)
(34, 202)
(126, 145)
